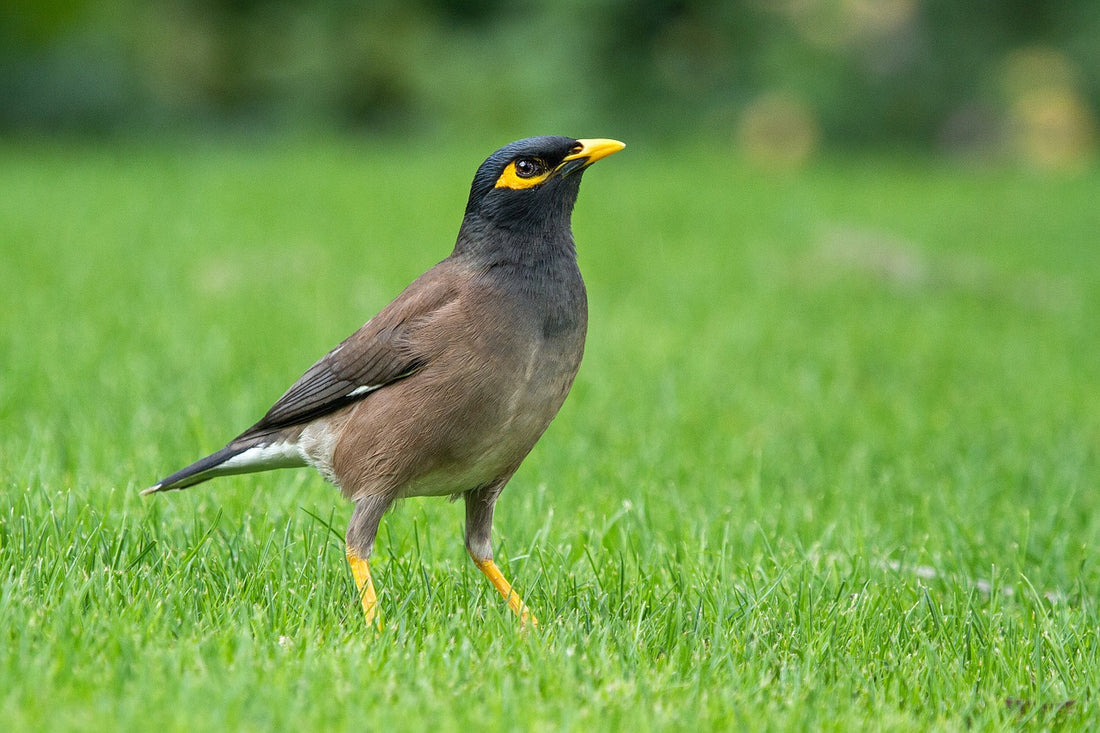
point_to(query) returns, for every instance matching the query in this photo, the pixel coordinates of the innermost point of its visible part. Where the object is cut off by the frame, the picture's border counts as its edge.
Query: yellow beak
(592, 149)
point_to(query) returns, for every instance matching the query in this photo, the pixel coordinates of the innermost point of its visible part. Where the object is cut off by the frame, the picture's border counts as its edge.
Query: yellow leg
(492, 572)
(360, 570)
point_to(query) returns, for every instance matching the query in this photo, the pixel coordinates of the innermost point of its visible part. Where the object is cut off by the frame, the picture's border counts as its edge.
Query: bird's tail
(199, 471)
(240, 456)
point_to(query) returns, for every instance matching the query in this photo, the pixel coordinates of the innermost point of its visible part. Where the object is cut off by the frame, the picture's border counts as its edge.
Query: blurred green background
(780, 79)
(831, 461)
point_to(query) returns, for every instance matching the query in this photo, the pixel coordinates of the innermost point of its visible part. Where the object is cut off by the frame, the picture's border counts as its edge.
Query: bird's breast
(501, 364)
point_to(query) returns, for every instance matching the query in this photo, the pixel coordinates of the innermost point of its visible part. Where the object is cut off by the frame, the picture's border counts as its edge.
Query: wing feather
(383, 351)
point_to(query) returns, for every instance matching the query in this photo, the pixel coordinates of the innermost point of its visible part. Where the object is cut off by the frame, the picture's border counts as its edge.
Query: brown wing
(376, 355)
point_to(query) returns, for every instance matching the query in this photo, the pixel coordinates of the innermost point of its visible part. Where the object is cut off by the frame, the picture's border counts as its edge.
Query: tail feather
(201, 470)
(246, 455)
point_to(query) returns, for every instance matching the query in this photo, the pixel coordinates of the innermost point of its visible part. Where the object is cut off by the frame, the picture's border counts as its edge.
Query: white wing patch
(363, 390)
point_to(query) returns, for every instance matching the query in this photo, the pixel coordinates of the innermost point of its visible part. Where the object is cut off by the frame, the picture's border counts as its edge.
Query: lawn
(832, 461)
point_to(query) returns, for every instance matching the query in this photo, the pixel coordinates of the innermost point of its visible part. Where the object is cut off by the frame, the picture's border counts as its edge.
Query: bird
(447, 389)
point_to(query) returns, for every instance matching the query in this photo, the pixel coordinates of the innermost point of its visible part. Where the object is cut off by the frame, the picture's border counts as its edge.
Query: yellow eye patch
(511, 179)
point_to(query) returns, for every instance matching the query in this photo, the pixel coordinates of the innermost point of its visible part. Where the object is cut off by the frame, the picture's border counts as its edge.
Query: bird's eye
(529, 167)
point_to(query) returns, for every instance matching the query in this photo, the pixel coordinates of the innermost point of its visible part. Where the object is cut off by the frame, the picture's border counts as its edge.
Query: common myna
(447, 389)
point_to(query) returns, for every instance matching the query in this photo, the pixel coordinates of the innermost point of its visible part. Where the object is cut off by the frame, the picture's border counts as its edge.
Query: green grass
(831, 462)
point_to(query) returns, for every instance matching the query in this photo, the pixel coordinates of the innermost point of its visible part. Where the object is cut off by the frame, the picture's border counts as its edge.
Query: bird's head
(533, 182)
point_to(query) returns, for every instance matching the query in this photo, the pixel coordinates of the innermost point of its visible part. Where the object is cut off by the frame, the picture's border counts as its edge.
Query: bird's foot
(492, 572)
(360, 570)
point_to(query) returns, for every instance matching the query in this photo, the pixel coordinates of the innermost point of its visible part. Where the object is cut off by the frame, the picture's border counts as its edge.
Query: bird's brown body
(490, 385)
(448, 388)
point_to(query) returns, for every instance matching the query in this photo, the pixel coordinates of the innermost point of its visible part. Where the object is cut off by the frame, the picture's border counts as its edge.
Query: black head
(533, 182)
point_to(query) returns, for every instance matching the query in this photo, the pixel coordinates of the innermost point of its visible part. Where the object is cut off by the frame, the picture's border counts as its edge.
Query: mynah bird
(447, 389)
